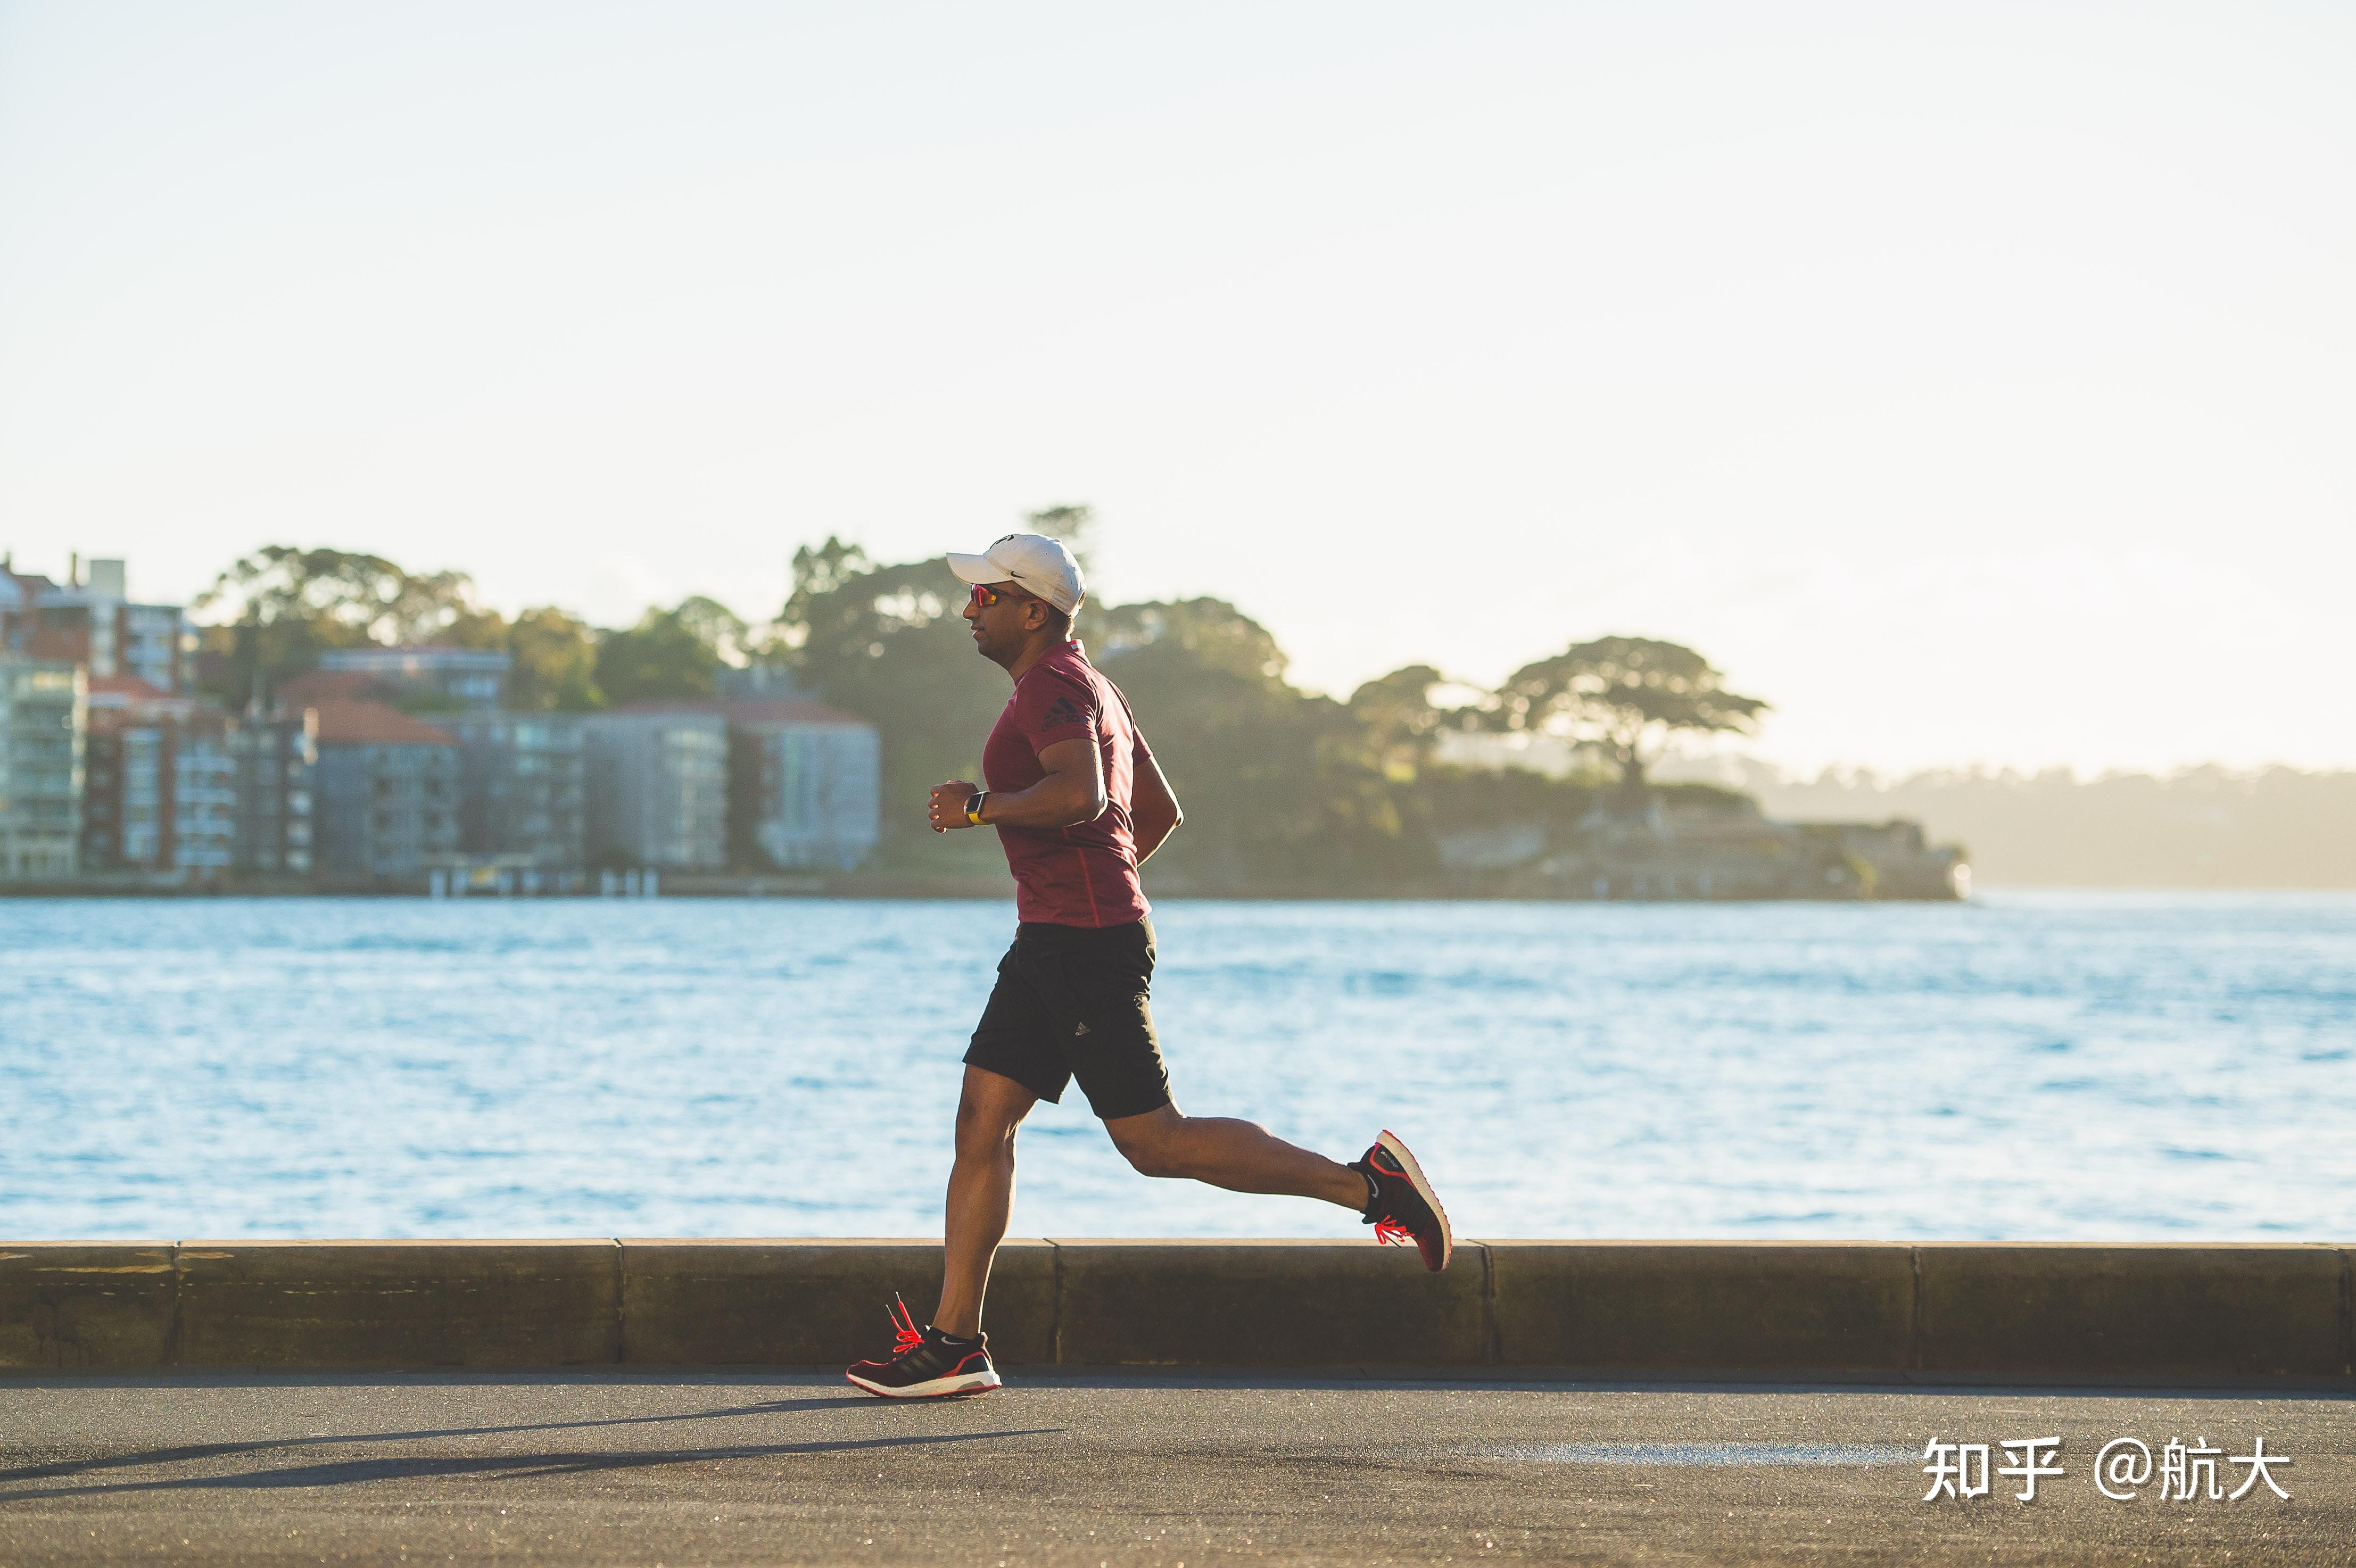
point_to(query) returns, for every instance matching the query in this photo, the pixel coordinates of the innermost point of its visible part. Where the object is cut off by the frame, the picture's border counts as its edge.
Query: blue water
(2168, 1067)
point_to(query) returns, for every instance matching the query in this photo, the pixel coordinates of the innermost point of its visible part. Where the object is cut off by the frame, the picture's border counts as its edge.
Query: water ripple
(385, 1067)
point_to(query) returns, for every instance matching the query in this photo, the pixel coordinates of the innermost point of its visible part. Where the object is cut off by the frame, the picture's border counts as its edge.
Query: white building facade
(806, 784)
(44, 727)
(657, 789)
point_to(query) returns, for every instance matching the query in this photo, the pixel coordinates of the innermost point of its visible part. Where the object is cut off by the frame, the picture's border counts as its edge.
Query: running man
(1079, 805)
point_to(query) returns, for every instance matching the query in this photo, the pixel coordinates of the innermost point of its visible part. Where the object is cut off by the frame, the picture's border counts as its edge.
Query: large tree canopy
(346, 597)
(1278, 785)
(1402, 720)
(1623, 695)
(286, 606)
(669, 653)
(555, 662)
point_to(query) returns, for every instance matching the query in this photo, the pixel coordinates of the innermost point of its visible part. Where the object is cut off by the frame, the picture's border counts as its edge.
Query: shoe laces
(905, 1334)
(1389, 1231)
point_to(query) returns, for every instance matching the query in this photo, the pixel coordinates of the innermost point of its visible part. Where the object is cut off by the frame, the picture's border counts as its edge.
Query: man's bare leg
(1242, 1156)
(990, 1108)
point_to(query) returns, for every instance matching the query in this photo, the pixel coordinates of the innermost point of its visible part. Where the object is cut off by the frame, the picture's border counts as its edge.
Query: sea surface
(2051, 1066)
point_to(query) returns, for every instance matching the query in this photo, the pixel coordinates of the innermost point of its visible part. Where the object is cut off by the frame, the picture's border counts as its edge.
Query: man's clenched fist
(949, 804)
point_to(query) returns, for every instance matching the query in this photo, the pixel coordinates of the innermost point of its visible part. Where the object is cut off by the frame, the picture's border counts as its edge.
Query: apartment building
(160, 782)
(277, 760)
(525, 796)
(657, 788)
(92, 622)
(387, 793)
(804, 784)
(44, 720)
(473, 679)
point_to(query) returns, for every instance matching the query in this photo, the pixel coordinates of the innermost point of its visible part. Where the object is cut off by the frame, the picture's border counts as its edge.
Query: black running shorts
(1071, 1002)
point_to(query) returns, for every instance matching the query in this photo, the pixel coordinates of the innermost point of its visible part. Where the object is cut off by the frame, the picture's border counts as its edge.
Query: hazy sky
(1973, 381)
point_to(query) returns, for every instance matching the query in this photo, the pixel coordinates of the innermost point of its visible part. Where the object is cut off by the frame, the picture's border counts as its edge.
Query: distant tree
(1212, 634)
(715, 626)
(888, 643)
(1402, 722)
(287, 604)
(475, 627)
(363, 598)
(1624, 694)
(670, 655)
(555, 654)
(819, 571)
(1074, 525)
(1277, 784)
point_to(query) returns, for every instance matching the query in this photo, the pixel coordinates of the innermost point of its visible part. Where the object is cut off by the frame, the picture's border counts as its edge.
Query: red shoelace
(1389, 1231)
(905, 1334)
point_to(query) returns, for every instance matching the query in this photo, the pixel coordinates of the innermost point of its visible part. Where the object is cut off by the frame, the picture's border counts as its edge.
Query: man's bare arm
(1072, 793)
(1156, 815)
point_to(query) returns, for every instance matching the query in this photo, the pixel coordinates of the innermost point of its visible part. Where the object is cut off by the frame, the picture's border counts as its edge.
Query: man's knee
(983, 1132)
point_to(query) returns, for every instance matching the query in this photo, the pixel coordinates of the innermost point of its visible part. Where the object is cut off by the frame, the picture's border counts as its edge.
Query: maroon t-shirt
(1070, 876)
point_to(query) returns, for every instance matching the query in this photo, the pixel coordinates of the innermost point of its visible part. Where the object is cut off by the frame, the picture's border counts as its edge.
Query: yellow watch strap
(973, 807)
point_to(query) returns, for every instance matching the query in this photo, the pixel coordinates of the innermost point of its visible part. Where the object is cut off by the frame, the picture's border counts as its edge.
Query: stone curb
(2178, 1315)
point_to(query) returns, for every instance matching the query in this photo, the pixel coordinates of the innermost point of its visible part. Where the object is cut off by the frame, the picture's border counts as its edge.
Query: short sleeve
(1057, 711)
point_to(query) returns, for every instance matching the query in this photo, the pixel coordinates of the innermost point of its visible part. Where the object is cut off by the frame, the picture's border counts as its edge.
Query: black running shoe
(926, 1363)
(1403, 1206)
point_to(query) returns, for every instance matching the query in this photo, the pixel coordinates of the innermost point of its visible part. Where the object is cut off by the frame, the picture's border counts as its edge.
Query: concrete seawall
(2182, 1315)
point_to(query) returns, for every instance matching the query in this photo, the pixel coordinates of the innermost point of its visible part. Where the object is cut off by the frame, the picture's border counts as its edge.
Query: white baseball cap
(1033, 562)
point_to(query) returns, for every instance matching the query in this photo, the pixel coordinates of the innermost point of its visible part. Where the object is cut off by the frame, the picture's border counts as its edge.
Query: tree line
(1282, 787)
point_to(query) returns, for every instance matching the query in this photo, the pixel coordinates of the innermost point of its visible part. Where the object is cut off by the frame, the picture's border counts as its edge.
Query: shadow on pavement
(512, 1467)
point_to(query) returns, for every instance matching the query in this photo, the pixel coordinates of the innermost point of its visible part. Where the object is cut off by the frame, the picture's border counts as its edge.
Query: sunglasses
(984, 595)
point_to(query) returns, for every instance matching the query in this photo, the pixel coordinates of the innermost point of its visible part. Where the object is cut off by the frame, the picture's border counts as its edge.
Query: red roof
(122, 701)
(374, 724)
(128, 689)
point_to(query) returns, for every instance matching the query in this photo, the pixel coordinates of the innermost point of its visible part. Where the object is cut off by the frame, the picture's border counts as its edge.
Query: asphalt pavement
(730, 1468)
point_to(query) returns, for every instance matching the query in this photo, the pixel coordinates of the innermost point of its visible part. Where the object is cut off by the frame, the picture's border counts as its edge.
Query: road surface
(1085, 1469)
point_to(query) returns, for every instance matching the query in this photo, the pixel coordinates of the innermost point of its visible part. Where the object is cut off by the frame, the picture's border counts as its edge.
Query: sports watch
(973, 807)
